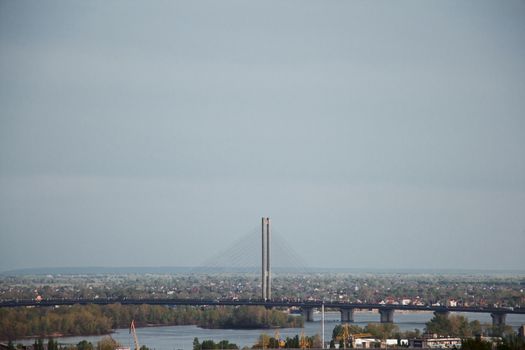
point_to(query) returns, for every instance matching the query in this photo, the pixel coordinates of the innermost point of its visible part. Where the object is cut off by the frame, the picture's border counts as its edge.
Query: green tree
(52, 345)
(474, 344)
(439, 324)
(382, 330)
(337, 332)
(455, 325)
(292, 343)
(511, 342)
(39, 344)
(273, 343)
(84, 345)
(208, 344)
(196, 344)
(501, 331)
(475, 327)
(225, 344)
(416, 333)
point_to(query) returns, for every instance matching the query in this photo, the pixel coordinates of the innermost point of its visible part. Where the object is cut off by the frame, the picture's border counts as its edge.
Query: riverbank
(85, 320)
(181, 337)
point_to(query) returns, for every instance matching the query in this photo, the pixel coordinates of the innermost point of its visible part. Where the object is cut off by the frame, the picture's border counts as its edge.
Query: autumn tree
(107, 343)
(454, 325)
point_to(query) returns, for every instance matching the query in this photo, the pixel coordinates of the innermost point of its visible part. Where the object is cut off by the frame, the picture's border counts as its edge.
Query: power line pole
(322, 325)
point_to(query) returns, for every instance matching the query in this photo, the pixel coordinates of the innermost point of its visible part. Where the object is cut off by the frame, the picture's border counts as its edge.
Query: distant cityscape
(495, 290)
(501, 291)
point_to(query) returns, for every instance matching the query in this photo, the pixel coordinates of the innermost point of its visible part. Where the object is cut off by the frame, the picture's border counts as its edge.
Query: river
(181, 337)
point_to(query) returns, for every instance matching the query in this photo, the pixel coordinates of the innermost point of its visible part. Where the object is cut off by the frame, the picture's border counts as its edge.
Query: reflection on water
(181, 337)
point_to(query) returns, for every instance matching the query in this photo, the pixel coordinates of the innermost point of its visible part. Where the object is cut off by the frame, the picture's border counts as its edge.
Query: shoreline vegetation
(456, 326)
(223, 317)
(86, 320)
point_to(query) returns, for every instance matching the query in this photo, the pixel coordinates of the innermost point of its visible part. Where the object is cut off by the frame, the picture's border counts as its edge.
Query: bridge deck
(255, 302)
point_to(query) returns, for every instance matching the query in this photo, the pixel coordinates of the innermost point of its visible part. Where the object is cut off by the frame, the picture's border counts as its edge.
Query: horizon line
(224, 269)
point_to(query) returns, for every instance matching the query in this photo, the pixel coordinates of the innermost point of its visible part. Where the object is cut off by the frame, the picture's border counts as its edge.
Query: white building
(435, 343)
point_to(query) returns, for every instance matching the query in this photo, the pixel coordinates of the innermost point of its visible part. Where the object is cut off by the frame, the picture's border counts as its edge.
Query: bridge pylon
(386, 315)
(498, 319)
(265, 257)
(347, 315)
(308, 313)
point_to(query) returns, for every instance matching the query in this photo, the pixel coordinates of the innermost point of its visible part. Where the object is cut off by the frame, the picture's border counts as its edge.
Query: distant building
(406, 301)
(391, 301)
(418, 301)
(452, 302)
(393, 342)
(366, 343)
(435, 342)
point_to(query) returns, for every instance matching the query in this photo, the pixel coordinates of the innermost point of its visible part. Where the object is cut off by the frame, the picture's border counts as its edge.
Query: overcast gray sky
(153, 133)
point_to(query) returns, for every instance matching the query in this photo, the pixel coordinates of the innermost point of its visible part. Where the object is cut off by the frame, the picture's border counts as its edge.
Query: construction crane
(132, 331)
(346, 334)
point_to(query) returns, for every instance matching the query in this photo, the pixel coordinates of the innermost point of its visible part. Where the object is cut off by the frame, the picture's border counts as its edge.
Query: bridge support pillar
(387, 315)
(498, 319)
(308, 314)
(347, 315)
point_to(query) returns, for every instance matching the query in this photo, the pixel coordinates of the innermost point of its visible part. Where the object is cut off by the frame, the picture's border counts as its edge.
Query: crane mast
(132, 331)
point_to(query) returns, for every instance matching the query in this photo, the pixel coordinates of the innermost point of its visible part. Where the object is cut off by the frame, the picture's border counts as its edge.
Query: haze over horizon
(276, 271)
(374, 134)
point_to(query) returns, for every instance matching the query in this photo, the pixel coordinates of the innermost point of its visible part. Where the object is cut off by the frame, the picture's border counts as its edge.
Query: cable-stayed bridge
(252, 255)
(261, 250)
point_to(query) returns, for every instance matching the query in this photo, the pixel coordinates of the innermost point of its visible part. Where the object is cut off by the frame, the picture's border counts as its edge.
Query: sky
(374, 134)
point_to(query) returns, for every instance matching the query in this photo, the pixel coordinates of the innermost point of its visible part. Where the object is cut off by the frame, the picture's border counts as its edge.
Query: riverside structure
(386, 312)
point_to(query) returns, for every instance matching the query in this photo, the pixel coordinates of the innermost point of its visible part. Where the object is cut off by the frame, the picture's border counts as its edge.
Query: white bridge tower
(266, 274)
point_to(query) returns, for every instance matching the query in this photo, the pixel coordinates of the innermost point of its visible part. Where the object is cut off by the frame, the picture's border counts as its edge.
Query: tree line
(296, 342)
(106, 343)
(210, 344)
(80, 320)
